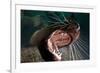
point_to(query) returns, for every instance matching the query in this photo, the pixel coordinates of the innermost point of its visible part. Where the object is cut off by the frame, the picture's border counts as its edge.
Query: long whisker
(53, 22)
(56, 18)
(72, 52)
(85, 46)
(81, 42)
(83, 37)
(82, 49)
(77, 51)
(74, 48)
(64, 16)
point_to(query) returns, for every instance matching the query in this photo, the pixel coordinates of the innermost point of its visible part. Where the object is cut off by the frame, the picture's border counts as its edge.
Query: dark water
(32, 21)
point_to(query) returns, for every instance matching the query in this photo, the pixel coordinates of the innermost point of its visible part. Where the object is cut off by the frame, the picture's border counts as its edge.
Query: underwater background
(32, 21)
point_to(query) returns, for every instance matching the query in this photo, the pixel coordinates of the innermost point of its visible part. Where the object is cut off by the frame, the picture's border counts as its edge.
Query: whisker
(83, 44)
(72, 52)
(69, 53)
(78, 52)
(55, 18)
(82, 49)
(64, 16)
(82, 41)
(66, 50)
(83, 37)
(74, 48)
(53, 22)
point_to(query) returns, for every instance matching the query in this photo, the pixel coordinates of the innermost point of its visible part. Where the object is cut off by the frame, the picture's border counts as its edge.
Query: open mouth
(59, 39)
